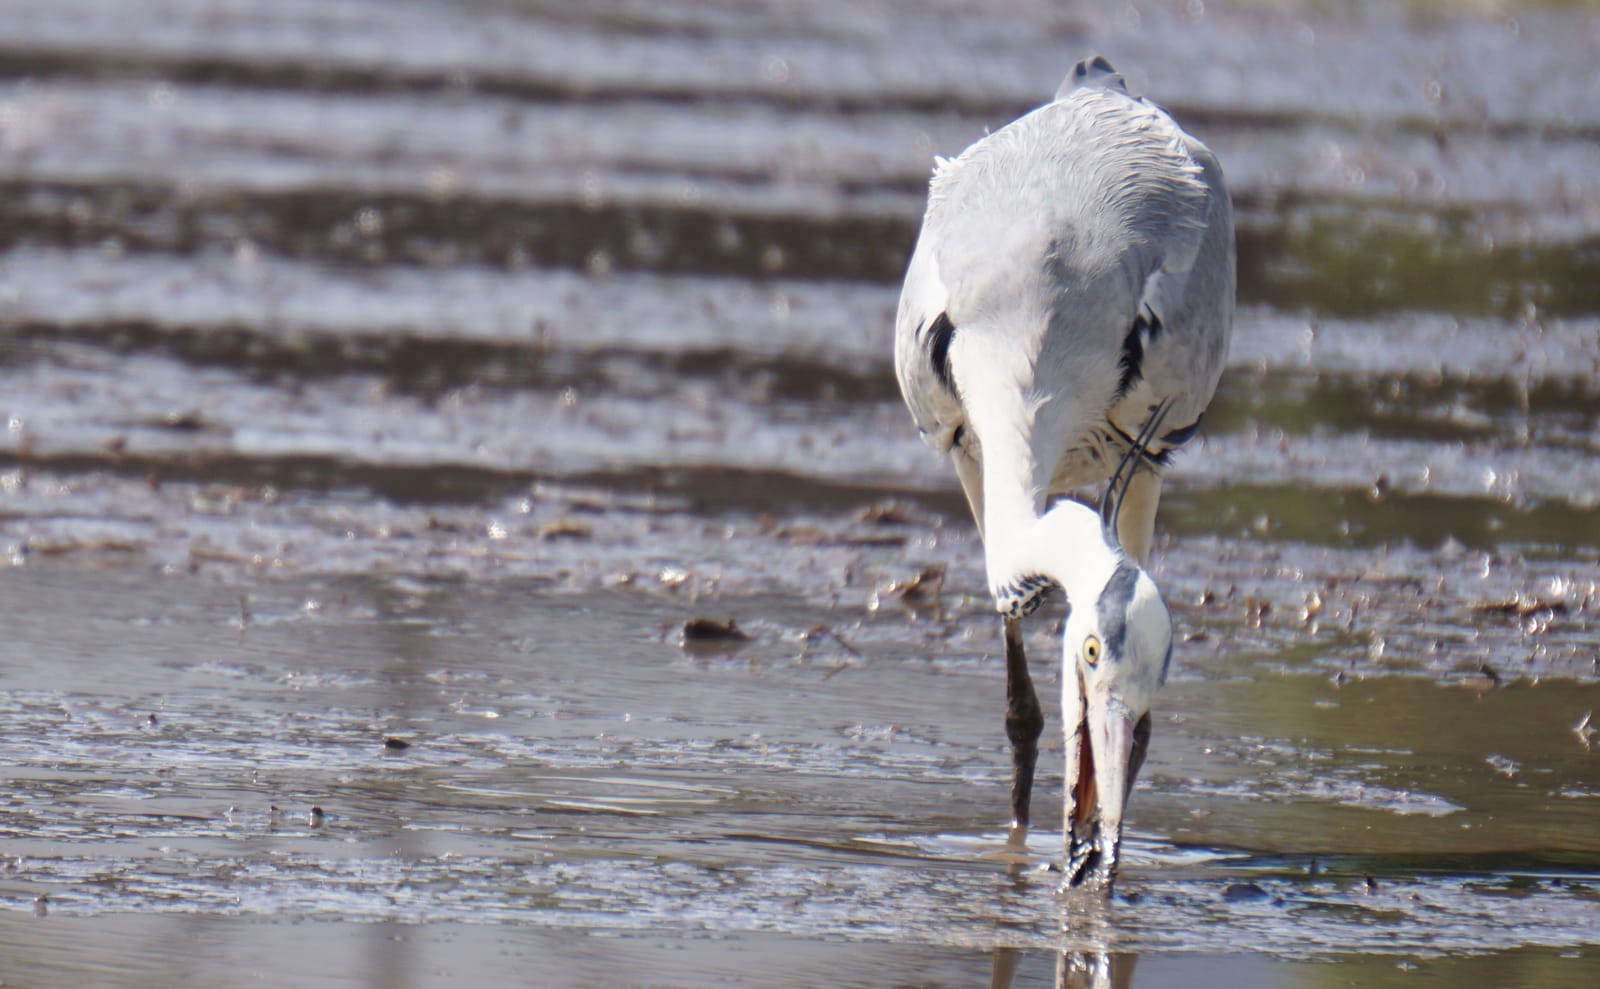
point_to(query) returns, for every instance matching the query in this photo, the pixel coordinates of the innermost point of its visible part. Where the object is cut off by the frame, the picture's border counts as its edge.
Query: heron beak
(1104, 755)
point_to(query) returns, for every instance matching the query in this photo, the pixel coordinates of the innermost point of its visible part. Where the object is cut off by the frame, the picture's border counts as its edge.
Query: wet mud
(459, 521)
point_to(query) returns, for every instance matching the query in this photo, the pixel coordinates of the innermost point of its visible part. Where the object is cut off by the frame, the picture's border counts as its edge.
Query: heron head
(1115, 651)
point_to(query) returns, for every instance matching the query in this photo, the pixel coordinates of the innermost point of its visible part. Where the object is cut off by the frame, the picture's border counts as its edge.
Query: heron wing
(1184, 316)
(924, 332)
(1073, 270)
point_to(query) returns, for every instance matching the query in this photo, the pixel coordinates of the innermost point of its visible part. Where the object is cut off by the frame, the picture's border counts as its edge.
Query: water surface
(384, 386)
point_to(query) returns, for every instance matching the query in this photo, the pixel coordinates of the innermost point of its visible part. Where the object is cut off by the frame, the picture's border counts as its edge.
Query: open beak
(1104, 755)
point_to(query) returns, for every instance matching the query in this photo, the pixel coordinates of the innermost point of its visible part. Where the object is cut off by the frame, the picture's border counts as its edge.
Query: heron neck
(1068, 545)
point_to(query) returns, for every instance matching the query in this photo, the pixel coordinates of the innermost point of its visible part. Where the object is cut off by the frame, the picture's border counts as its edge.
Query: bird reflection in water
(1074, 969)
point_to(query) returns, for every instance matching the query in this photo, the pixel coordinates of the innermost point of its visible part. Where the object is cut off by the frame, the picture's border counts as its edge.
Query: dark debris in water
(565, 529)
(1521, 607)
(710, 631)
(1245, 893)
(920, 594)
(891, 513)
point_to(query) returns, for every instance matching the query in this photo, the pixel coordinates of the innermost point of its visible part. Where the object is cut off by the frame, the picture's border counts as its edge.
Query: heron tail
(1092, 73)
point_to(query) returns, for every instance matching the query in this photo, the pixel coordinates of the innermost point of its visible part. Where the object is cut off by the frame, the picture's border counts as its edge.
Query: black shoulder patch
(939, 336)
(1131, 363)
(1112, 609)
(1130, 366)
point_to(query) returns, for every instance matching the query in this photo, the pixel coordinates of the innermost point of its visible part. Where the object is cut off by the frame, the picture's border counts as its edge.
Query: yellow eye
(1091, 650)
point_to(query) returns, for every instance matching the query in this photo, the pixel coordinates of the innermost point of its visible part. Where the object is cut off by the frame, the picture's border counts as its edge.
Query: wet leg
(1024, 724)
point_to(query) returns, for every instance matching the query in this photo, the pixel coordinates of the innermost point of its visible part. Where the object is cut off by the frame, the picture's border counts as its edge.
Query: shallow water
(568, 764)
(383, 389)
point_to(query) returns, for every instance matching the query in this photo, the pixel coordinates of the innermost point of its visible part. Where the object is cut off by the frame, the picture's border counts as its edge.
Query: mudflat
(398, 404)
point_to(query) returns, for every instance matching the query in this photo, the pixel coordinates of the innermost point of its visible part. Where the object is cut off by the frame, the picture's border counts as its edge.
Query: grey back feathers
(1089, 245)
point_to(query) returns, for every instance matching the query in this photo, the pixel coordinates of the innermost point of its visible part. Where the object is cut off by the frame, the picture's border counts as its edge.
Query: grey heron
(1064, 320)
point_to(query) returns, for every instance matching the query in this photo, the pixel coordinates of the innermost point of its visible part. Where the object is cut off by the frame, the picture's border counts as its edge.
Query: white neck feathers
(1068, 545)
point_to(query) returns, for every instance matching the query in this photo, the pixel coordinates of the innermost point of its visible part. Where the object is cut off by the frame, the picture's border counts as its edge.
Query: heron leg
(1136, 523)
(1024, 724)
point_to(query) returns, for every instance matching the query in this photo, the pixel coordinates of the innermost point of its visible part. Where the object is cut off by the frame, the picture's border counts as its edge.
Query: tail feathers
(1091, 73)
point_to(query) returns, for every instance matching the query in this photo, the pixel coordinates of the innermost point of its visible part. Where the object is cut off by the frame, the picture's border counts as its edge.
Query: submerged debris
(1244, 893)
(708, 630)
(186, 421)
(819, 632)
(917, 594)
(811, 535)
(888, 513)
(565, 529)
(1519, 606)
(1256, 611)
(1311, 608)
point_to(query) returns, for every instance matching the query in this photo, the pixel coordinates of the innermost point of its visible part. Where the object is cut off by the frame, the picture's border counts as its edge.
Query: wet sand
(383, 389)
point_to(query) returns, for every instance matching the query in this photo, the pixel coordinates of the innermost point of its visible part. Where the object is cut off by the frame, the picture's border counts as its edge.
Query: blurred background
(388, 366)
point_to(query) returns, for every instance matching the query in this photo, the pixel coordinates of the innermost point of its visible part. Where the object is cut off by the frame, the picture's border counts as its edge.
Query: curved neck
(1068, 545)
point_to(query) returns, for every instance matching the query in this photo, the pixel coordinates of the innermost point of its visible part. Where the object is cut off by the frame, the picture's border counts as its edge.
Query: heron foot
(1023, 595)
